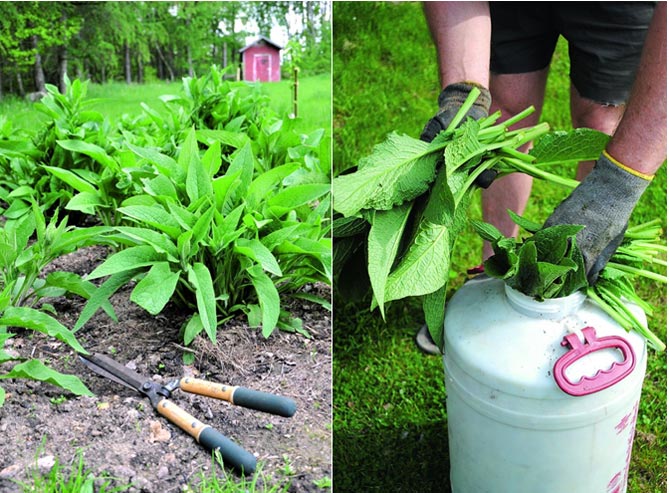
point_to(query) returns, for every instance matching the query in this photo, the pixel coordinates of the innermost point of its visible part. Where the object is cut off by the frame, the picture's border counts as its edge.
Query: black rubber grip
(263, 401)
(232, 454)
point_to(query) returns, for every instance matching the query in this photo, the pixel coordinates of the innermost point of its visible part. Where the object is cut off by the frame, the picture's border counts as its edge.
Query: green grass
(115, 99)
(390, 423)
(217, 480)
(74, 478)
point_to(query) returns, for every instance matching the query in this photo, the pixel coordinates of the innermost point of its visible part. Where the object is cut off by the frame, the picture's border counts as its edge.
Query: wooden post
(295, 84)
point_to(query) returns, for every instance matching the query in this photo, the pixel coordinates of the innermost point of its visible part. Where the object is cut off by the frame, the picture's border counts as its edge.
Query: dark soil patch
(118, 431)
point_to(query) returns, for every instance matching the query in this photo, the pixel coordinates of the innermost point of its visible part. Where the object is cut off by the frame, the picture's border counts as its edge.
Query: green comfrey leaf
(243, 161)
(166, 165)
(91, 150)
(193, 328)
(198, 181)
(345, 227)
(126, 260)
(133, 236)
(383, 243)
(268, 298)
(155, 289)
(553, 243)
(72, 179)
(211, 161)
(463, 146)
(527, 279)
(258, 252)
(398, 170)
(424, 267)
(199, 278)
(36, 370)
(434, 309)
(526, 224)
(487, 231)
(560, 147)
(101, 297)
(30, 318)
(85, 202)
(160, 186)
(156, 217)
(226, 228)
(263, 184)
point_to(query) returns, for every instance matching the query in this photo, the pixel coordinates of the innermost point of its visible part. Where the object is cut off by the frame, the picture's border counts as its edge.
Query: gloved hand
(603, 203)
(450, 100)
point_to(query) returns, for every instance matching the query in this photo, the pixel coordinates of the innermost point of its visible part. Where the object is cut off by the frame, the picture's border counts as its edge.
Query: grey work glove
(603, 203)
(450, 100)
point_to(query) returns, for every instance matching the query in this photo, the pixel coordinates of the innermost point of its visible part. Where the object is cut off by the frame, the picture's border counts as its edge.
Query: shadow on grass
(392, 460)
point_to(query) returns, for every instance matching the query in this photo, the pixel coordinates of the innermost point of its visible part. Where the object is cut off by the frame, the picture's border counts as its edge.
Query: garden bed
(118, 432)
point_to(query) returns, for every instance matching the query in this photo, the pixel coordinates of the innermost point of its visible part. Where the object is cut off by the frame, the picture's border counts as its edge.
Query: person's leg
(605, 42)
(511, 94)
(590, 114)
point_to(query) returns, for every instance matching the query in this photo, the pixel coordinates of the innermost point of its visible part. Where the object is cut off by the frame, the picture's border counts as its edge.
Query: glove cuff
(622, 166)
(454, 95)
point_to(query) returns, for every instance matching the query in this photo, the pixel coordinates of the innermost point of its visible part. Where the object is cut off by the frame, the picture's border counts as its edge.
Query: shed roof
(258, 41)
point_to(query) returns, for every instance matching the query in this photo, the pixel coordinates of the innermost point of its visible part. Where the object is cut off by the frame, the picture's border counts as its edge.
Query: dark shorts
(605, 41)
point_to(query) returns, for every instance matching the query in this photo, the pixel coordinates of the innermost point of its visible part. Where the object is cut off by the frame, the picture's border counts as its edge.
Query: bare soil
(119, 433)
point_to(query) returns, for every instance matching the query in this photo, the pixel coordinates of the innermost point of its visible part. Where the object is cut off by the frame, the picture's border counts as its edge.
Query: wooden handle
(241, 396)
(181, 418)
(209, 389)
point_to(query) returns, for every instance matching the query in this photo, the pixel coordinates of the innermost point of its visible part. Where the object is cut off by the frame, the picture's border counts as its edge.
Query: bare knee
(586, 113)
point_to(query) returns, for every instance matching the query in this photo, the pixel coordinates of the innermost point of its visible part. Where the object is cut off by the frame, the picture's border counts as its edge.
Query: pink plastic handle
(603, 379)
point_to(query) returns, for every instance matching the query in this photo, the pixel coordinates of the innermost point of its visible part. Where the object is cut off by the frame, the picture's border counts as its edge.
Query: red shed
(261, 61)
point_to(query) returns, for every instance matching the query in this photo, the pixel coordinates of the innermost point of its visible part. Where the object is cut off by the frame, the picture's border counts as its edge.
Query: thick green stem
(523, 167)
(459, 116)
(639, 272)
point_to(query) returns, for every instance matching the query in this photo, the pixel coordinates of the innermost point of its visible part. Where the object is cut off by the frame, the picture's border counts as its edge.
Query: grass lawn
(390, 423)
(115, 99)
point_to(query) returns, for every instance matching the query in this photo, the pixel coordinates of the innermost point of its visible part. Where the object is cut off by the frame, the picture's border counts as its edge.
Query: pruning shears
(212, 440)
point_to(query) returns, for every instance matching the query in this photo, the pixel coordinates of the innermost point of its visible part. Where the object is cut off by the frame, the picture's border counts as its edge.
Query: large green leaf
(263, 184)
(72, 179)
(268, 297)
(198, 181)
(295, 196)
(434, 309)
(383, 242)
(398, 170)
(200, 278)
(101, 297)
(424, 268)
(560, 147)
(156, 288)
(128, 259)
(156, 217)
(29, 318)
(85, 202)
(91, 150)
(165, 164)
(36, 370)
(255, 250)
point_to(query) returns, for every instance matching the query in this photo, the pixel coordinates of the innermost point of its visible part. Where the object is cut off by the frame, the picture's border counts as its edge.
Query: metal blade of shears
(108, 368)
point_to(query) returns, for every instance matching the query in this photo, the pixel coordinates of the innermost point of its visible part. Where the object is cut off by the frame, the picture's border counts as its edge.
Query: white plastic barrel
(511, 427)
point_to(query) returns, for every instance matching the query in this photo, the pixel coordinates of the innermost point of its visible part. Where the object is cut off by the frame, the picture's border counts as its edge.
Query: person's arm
(461, 34)
(640, 140)
(605, 199)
